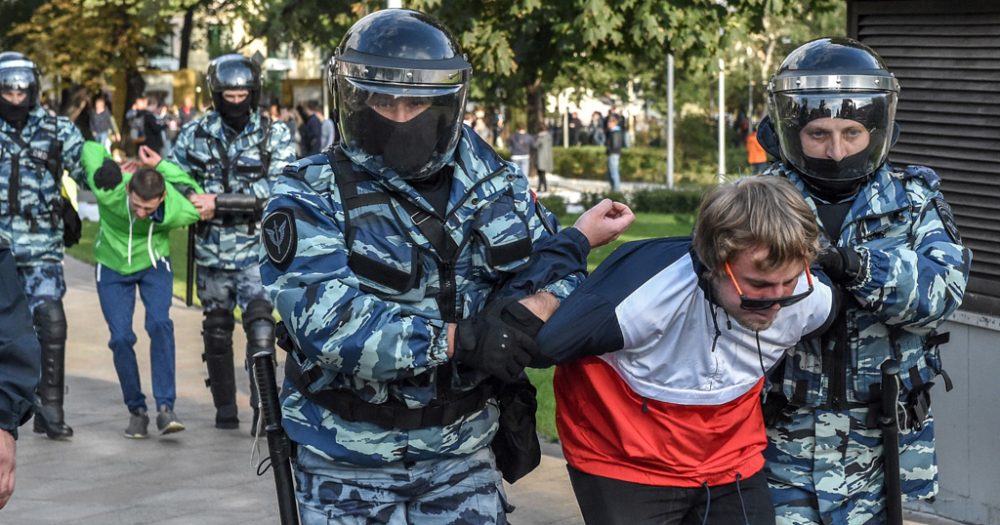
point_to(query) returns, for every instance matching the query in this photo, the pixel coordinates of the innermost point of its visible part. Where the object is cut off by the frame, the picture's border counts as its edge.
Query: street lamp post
(670, 121)
(722, 121)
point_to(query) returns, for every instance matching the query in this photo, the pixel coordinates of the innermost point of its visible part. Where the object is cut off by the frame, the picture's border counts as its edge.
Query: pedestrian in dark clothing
(312, 130)
(575, 129)
(616, 141)
(596, 129)
(21, 358)
(154, 127)
(543, 157)
(146, 128)
(520, 149)
(102, 124)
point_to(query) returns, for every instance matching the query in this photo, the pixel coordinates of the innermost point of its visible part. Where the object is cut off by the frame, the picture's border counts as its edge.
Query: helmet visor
(411, 130)
(841, 136)
(14, 80)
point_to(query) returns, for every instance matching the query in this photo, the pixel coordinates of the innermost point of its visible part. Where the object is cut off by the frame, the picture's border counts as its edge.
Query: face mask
(834, 179)
(235, 116)
(406, 147)
(15, 114)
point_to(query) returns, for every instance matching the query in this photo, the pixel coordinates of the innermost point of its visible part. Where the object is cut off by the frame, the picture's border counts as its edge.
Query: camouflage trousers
(220, 289)
(460, 491)
(826, 466)
(44, 282)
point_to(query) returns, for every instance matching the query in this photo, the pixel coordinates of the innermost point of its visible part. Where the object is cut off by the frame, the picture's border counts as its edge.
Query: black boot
(258, 324)
(218, 335)
(50, 325)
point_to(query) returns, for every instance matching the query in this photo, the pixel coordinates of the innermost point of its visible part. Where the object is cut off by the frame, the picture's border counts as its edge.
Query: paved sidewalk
(202, 476)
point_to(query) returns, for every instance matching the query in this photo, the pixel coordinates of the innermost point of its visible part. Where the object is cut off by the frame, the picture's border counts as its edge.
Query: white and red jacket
(658, 385)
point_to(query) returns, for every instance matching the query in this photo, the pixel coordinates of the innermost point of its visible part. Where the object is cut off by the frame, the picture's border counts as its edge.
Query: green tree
(523, 48)
(87, 42)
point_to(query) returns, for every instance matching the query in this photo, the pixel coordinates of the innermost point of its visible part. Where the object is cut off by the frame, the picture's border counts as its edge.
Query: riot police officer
(235, 152)
(35, 148)
(893, 250)
(381, 256)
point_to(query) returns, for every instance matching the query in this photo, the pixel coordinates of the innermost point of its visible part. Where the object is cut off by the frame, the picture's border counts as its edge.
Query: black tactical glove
(518, 316)
(841, 265)
(488, 343)
(108, 176)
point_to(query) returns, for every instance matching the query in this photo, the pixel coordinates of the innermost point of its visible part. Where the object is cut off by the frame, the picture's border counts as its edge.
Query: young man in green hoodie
(139, 204)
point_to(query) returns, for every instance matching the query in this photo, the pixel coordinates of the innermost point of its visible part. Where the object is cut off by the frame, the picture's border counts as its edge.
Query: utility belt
(911, 412)
(444, 410)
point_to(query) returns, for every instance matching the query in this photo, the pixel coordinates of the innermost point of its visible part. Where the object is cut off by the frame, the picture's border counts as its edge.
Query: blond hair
(759, 211)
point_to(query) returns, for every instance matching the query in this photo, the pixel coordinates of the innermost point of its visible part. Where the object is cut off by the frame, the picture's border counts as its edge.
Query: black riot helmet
(233, 71)
(833, 107)
(18, 87)
(17, 73)
(400, 82)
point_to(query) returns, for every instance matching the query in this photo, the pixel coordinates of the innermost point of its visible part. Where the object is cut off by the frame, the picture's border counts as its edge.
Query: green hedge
(554, 204)
(695, 163)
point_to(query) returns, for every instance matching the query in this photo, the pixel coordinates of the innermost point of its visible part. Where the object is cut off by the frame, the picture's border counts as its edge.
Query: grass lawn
(646, 225)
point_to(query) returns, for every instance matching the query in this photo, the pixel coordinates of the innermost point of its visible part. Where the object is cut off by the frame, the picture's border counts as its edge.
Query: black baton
(278, 445)
(189, 281)
(890, 443)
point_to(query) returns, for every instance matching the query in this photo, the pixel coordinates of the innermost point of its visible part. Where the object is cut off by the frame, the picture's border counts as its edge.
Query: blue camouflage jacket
(30, 197)
(223, 166)
(913, 276)
(382, 339)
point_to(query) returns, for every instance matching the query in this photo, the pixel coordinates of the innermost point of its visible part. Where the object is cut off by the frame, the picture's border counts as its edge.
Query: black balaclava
(405, 146)
(15, 114)
(235, 116)
(829, 187)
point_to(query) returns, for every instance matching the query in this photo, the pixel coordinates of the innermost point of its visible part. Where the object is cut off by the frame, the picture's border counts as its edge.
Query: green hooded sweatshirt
(127, 244)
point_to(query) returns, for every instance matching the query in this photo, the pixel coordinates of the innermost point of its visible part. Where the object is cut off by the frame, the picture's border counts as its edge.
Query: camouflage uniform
(224, 243)
(382, 340)
(825, 455)
(30, 216)
(225, 162)
(30, 203)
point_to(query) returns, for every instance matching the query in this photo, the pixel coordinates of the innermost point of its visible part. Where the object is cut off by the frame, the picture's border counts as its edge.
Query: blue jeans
(117, 295)
(613, 175)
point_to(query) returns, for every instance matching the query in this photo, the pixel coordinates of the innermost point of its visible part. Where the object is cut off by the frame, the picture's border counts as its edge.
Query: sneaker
(167, 421)
(138, 422)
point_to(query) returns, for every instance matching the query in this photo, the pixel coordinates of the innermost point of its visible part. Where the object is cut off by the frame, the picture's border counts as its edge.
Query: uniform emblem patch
(947, 219)
(279, 237)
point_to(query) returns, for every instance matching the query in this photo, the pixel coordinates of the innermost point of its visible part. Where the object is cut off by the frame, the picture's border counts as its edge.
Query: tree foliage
(520, 49)
(88, 41)
(523, 48)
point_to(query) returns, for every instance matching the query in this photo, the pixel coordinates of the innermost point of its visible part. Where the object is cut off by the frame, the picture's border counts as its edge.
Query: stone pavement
(202, 476)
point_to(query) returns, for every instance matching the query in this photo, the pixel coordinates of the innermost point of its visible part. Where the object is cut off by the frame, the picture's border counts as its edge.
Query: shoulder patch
(947, 219)
(280, 237)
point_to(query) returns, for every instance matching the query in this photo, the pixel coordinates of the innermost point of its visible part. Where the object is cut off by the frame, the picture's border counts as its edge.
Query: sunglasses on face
(747, 303)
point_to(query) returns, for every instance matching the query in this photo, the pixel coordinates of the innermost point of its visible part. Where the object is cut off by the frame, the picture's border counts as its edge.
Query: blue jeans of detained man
(117, 295)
